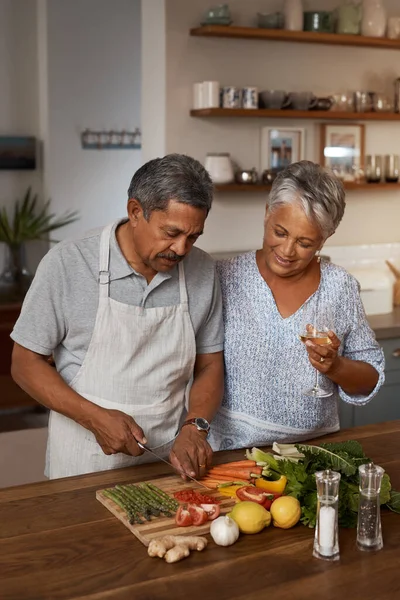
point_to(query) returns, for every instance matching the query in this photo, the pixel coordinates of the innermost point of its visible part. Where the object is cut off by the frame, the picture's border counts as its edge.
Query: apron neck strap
(104, 261)
(182, 285)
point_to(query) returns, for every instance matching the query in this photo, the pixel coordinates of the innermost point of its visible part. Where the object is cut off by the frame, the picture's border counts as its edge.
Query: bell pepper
(274, 487)
(230, 490)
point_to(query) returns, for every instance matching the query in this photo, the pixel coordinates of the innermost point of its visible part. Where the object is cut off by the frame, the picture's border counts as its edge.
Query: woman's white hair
(316, 189)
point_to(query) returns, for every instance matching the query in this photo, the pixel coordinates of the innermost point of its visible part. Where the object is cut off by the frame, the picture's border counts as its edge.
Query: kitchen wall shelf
(349, 185)
(268, 113)
(304, 37)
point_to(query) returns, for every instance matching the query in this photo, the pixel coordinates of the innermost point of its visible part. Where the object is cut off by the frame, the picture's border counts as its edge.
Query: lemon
(285, 512)
(250, 516)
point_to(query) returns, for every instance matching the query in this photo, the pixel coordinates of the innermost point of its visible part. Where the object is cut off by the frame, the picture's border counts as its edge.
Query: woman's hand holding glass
(323, 357)
(320, 341)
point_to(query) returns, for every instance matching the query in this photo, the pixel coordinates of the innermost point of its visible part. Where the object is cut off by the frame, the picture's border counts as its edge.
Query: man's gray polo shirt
(59, 311)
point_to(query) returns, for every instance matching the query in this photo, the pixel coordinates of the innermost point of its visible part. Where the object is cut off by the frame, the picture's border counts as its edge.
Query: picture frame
(281, 146)
(17, 153)
(342, 149)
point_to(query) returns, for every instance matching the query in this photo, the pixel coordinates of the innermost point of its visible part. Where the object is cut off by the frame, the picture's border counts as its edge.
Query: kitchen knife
(169, 464)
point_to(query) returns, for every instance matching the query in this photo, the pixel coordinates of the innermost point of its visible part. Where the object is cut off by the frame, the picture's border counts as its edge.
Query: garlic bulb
(224, 531)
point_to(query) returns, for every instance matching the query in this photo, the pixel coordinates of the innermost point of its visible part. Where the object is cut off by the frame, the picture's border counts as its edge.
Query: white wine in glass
(317, 320)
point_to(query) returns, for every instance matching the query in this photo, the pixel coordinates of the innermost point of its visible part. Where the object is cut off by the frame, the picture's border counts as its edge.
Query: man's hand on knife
(116, 432)
(191, 454)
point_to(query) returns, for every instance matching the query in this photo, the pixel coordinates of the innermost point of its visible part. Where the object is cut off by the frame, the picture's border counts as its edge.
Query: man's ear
(135, 211)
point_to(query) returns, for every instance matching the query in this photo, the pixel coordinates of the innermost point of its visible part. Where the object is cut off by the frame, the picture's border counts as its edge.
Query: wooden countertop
(57, 541)
(386, 326)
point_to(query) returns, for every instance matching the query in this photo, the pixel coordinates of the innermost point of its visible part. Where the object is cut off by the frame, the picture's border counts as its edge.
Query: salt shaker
(326, 541)
(369, 530)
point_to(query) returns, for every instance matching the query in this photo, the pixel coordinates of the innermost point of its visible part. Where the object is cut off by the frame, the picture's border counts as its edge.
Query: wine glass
(317, 320)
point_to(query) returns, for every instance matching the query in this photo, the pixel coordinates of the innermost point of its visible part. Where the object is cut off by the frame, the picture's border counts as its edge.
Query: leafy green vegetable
(328, 459)
(344, 457)
(394, 502)
(263, 458)
(386, 487)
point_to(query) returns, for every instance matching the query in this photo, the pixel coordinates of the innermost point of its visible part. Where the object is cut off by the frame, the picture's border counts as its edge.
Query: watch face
(202, 424)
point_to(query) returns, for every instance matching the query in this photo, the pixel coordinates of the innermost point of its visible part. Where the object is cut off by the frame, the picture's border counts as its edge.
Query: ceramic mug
(231, 97)
(250, 97)
(302, 100)
(274, 99)
(210, 94)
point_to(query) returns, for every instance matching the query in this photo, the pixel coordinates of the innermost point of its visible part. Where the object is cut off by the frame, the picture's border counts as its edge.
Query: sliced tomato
(253, 494)
(183, 518)
(212, 510)
(193, 497)
(198, 514)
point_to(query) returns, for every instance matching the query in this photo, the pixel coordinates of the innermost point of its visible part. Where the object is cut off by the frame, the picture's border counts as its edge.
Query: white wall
(93, 81)
(19, 104)
(235, 222)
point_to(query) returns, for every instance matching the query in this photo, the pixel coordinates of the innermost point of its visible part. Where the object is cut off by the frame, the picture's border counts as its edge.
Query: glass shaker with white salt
(326, 541)
(369, 530)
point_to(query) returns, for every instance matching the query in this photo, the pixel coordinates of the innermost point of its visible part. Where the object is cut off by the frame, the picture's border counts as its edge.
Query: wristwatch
(200, 423)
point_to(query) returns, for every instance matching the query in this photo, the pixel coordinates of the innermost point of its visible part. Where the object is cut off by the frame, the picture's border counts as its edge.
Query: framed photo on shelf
(281, 146)
(342, 149)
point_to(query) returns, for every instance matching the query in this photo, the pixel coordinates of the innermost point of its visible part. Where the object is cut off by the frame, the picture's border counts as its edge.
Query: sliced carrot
(231, 477)
(236, 473)
(238, 463)
(228, 477)
(212, 485)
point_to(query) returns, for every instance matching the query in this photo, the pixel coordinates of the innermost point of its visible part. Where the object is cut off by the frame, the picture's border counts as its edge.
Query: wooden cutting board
(159, 526)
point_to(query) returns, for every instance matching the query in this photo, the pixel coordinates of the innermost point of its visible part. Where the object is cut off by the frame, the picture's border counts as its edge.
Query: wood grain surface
(58, 542)
(159, 526)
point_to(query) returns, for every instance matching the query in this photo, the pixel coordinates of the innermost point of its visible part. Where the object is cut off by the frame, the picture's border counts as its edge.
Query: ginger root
(175, 547)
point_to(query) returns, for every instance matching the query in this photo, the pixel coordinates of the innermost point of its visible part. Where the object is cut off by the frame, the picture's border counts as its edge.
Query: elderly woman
(265, 295)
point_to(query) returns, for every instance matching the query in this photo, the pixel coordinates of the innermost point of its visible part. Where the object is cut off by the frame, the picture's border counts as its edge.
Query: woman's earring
(319, 256)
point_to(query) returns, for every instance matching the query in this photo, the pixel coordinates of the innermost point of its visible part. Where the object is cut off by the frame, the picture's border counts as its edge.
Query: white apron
(139, 361)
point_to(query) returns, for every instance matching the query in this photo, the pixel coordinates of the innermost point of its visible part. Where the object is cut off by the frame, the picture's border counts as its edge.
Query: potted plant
(27, 224)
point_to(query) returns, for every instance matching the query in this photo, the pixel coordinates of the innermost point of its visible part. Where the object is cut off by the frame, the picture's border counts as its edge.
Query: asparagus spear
(139, 506)
(141, 500)
(154, 501)
(135, 509)
(169, 502)
(122, 503)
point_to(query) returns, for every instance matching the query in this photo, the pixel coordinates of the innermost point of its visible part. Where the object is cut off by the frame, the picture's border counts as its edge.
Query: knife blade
(169, 464)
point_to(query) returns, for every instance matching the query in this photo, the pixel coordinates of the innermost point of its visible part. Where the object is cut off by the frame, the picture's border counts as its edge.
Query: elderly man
(131, 314)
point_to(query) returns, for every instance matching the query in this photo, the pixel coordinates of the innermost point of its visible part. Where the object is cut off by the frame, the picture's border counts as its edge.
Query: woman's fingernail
(308, 343)
(144, 440)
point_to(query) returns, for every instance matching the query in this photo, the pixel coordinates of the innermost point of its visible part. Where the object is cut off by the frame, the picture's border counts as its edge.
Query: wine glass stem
(316, 385)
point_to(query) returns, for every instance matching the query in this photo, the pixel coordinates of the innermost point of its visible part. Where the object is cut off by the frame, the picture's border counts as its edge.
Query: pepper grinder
(326, 541)
(369, 530)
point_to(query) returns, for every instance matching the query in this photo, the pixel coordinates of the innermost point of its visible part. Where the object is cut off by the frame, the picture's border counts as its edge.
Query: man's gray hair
(173, 177)
(318, 191)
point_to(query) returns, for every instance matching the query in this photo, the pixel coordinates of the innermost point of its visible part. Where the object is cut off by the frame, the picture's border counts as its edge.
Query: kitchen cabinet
(11, 394)
(386, 404)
